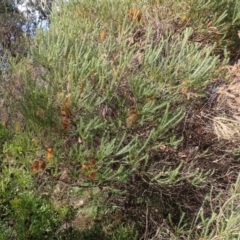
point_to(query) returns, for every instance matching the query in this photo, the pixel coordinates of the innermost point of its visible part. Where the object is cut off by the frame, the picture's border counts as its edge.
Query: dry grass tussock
(227, 122)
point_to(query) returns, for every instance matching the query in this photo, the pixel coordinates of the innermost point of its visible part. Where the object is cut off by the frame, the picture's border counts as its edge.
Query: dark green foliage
(32, 217)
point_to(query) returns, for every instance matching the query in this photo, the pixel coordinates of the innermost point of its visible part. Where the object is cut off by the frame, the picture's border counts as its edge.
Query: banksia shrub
(108, 86)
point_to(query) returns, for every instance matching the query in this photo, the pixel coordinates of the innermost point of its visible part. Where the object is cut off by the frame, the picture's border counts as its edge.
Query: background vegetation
(110, 123)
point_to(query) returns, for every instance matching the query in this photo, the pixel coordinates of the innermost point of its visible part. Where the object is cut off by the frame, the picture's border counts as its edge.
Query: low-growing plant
(33, 217)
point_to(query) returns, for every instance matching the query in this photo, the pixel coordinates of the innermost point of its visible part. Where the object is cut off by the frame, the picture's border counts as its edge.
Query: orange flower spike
(49, 154)
(65, 122)
(65, 113)
(84, 168)
(64, 109)
(87, 167)
(102, 36)
(150, 99)
(135, 14)
(92, 175)
(35, 166)
(185, 18)
(38, 165)
(131, 116)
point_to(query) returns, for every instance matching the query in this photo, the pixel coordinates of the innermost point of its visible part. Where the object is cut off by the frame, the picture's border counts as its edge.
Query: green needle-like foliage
(105, 91)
